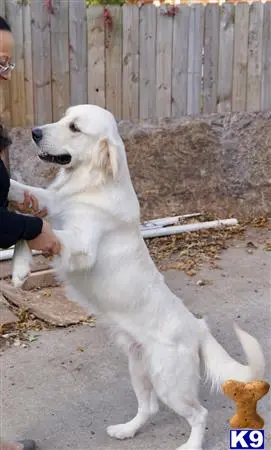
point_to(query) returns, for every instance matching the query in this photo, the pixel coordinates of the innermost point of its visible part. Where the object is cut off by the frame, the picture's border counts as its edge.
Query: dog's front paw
(20, 274)
(121, 431)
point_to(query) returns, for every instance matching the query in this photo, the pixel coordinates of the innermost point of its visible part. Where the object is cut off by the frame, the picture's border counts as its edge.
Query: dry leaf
(267, 247)
(46, 293)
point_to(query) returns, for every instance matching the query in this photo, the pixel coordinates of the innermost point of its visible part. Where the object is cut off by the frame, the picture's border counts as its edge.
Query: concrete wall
(219, 164)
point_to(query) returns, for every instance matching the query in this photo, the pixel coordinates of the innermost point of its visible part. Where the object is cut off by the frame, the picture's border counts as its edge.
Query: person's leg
(22, 445)
(10, 446)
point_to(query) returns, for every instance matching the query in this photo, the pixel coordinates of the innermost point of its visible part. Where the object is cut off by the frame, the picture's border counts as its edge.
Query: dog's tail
(220, 366)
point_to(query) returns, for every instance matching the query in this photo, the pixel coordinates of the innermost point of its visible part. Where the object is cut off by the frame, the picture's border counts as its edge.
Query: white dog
(95, 211)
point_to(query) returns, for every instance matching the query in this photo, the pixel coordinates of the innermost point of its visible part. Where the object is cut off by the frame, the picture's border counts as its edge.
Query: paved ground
(66, 387)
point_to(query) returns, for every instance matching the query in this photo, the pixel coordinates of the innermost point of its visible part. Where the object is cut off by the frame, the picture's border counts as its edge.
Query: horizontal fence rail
(138, 62)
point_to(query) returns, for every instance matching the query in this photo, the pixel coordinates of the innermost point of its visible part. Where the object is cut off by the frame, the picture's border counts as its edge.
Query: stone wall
(219, 164)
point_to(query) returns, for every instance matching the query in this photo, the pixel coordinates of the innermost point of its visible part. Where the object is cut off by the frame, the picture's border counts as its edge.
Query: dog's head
(86, 136)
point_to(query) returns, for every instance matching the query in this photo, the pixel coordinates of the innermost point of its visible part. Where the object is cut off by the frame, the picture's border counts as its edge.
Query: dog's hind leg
(175, 376)
(196, 416)
(146, 396)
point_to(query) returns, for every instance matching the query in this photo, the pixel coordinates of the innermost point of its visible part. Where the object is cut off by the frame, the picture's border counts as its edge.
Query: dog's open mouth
(57, 159)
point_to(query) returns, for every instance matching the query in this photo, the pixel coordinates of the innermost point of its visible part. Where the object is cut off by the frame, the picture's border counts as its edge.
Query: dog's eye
(74, 128)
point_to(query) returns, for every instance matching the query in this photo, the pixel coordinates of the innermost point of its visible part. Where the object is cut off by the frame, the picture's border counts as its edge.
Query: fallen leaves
(188, 251)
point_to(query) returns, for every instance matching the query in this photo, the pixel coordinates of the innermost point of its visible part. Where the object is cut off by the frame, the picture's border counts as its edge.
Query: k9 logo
(249, 439)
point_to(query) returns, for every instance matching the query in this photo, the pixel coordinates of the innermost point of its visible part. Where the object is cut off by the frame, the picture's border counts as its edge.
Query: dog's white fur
(95, 212)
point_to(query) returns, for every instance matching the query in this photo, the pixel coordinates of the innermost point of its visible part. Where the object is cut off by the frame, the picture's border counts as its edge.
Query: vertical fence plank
(130, 62)
(41, 61)
(60, 58)
(211, 55)
(266, 75)
(225, 65)
(195, 46)
(163, 63)
(96, 56)
(146, 65)
(180, 61)
(113, 62)
(14, 14)
(255, 42)
(78, 52)
(28, 67)
(240, 61)
(5, 113)
(147, 86)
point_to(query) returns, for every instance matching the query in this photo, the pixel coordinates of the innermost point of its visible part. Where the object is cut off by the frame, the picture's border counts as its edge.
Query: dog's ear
(105, 157)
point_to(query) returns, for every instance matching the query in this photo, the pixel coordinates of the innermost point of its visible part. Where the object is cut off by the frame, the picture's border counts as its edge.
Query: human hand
(46, 241)
(29, 206)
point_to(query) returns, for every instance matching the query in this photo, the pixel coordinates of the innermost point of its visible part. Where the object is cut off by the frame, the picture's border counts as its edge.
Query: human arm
(30, 205)
(15, 227)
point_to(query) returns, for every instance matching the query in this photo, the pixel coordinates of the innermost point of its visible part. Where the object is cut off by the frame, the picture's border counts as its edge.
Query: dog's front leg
(77, 254)
(17, 190)
(21, 263)
(22, 258)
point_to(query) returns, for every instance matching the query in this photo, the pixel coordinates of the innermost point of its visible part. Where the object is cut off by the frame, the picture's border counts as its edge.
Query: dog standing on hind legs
(105, 262)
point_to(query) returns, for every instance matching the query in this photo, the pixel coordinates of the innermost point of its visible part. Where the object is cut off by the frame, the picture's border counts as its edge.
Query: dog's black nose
(37, 134)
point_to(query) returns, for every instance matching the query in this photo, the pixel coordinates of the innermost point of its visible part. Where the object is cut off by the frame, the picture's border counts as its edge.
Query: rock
(219, 163)
(50, 305)
(6, 315)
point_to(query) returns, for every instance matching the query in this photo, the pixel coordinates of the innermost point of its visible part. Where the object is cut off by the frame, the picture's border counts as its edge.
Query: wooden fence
(137, 62)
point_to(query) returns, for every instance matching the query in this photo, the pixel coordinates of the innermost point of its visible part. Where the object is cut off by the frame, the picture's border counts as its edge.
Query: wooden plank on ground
(240, 60)
(14, 13)
(255, 49)
(147, 85)
(41, 279)
(195, 47)
(78, 52)
(28, 67)
(225, 65)
(113, 62)
(211, 56)
(49, 305)
(163, 63)
(130, 61)
(180, 61)
(60, 58)
(41, 61)
(266, 79)
(96, 55)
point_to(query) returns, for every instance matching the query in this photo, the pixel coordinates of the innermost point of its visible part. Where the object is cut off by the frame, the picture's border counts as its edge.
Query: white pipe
(157, 223)
(166, 231)
(156, 231)
(8, 254)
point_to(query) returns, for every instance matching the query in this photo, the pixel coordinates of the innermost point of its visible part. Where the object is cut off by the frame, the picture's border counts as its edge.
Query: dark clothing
(13, 226)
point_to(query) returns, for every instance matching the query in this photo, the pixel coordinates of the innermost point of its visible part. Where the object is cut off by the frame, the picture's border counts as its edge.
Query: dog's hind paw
(188, 446)
(121, 431)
